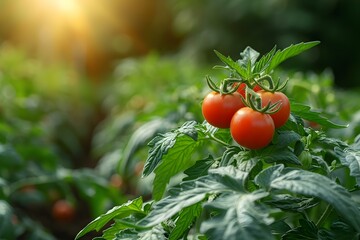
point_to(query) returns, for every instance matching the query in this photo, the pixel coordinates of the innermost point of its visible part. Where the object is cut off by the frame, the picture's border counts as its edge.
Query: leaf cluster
(302, 186)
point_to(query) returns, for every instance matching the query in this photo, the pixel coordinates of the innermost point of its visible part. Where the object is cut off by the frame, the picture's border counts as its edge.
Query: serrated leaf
(231, 177)
(305, 112)
(239, 216)
(242, 71)
(248, 59)
(278, 154)
(124, 210)
(177, 159)
(126, 234)
(286, 138)
(200, 168)
(185, 220)
(266, 176)
(159, 147)
(290, 203)
(350, 158)
(187, 194)
(140, 137)
(264, 62)
(155, 233)
(291, 51)
(192, 192)
(314, 185)
(306, 230)
(189, 129)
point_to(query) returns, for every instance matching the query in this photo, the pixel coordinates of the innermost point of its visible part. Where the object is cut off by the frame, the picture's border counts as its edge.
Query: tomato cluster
(249, 127)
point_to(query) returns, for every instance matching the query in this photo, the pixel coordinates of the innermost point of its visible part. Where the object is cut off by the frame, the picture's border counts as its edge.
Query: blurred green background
(84, 85)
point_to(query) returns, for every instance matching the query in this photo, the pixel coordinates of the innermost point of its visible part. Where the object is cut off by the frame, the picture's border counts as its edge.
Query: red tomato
(252, 129)
(242, 87)
(281, 116)
(62, 210)
(218, 109)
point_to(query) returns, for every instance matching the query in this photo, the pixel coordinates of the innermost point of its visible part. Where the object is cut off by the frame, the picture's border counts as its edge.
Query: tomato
(242, 88)
(252, 129)
(218, 109)
(62, 210)
(281, 116)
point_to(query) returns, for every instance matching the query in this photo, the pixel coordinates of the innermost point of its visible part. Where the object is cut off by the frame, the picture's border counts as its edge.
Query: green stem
(218, 140)
(324, 216)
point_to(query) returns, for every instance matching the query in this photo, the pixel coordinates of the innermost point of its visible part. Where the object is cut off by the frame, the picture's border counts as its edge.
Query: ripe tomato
(218, 109)
(242, 87)
(252, 129)
(62, 210)
(281, 116)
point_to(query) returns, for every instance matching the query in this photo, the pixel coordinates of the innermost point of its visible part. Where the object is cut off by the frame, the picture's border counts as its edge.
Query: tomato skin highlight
(252, 129)
(281, 116)
(218, 109)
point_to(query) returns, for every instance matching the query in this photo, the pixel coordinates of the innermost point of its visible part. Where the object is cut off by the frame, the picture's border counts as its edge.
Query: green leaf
(290, 203)
(239, 216)
(161, 144)
(190, 129)
(314, 185)
(127, 234)
(187, 194)
(248, 59)
(230, 155)
(223, 179)
(306, 230)
(140, 137)
(305, 112)
(231, 177)
(177, 159)
(185, 219)
(124, 210)
(200, 168)
(242, 71)
(291, 51)
(350, 158)
(264, 62)
(159, 147)
(342, 230)
(155, 233)
(265, 177)
(286, 138)
(278, 154)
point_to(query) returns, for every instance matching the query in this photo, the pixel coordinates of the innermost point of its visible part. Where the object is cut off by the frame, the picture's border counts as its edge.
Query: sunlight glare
(63, 7)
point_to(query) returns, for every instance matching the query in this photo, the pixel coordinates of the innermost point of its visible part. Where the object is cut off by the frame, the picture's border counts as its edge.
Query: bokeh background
(85, 85)
(92, 36)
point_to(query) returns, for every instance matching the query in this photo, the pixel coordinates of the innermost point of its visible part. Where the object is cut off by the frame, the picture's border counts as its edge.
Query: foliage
(304, 184)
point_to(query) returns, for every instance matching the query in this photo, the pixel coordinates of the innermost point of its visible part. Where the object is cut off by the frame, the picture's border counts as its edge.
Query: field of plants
(204, 142)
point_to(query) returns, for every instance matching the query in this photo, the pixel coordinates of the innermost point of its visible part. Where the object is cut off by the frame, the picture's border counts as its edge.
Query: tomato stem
(218, 140)
(329, 209)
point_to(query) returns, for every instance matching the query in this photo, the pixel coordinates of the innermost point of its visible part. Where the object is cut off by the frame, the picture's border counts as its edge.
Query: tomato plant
(218, 108)
(252, 129)
(303, 185)
(282, 115)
